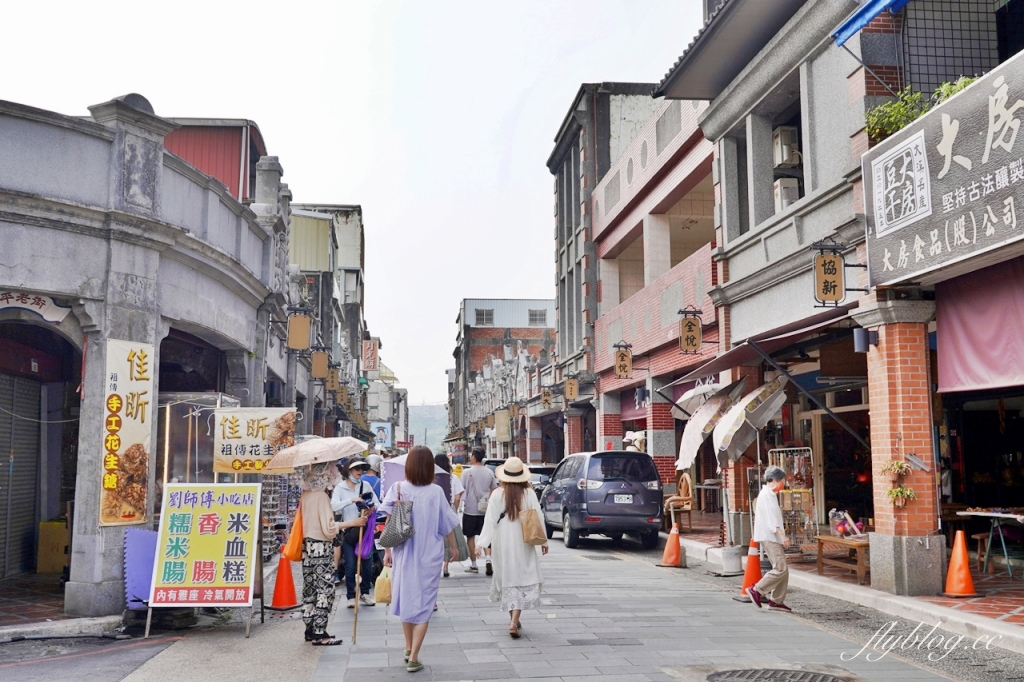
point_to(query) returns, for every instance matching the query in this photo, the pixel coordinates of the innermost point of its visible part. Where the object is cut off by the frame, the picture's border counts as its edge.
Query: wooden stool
(982, 539)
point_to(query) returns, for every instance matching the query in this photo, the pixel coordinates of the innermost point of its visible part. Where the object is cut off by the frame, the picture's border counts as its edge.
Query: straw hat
(513, 471)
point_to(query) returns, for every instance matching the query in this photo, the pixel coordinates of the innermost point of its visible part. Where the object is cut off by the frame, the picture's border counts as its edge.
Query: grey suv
(608, 493)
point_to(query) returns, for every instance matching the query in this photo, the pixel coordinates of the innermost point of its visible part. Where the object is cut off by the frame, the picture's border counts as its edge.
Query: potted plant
(895, 469)
(900, 494)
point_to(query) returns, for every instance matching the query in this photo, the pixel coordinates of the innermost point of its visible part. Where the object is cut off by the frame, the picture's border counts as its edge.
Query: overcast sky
(437, 117)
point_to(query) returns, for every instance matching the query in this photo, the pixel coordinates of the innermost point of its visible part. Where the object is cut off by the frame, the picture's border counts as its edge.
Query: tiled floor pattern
(31, 598)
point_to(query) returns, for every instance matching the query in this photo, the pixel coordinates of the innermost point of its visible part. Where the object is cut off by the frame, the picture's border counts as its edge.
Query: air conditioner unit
(786, 145)
(787, 191)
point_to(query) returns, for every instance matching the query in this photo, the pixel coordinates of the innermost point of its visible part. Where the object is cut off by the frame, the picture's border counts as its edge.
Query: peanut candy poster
(206, 547)
(127, 432)
(246, 438)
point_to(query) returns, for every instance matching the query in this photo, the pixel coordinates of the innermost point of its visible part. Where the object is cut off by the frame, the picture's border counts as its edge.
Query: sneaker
(351, 603)
(472, 569)
(755, 596)
(446, 574)
(775, 606)
(413, 666)
(336, 578)
(366, 600)
(489, 571)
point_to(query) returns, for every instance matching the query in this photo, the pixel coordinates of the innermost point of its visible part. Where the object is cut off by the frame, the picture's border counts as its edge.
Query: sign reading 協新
(127, 432)
(206, 545)
(246, 438)
(946, 187)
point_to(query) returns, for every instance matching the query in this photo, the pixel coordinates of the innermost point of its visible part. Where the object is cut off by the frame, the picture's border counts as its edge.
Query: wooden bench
(857, 560)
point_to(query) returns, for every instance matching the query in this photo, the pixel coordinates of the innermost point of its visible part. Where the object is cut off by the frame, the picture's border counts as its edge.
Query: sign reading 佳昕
(946, 187)
(572, 389)
(206, 547)
(829, 278)
(127, 432)
(246, 438)
(623, 362)
(691, 334)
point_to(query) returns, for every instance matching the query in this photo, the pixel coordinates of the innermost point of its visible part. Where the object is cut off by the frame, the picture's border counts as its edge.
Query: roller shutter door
(19, 478)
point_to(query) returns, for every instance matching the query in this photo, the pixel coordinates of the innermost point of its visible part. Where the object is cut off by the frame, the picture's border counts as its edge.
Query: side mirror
(545, 479)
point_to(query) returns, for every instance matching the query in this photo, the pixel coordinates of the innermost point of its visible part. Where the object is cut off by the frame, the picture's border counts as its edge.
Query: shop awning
(769, 342)
(864, 15)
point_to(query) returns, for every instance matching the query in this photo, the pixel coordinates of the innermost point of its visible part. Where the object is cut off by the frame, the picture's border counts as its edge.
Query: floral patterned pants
(317, 583)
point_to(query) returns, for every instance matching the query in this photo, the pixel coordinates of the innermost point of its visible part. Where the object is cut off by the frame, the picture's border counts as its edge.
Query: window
(538, 318)
(484, 318)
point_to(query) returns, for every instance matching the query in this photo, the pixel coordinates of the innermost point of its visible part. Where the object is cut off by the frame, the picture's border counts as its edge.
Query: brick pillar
(906, 553)
(609, 422)
(573, 431)
(533, 440)
(661, 431)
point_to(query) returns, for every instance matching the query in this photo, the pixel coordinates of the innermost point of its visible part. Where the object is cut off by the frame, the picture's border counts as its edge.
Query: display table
(857, 561)
(705, 493)
(996, 520)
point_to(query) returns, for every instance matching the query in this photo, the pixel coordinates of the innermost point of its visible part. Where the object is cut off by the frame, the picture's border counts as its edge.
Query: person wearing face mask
(348, 501)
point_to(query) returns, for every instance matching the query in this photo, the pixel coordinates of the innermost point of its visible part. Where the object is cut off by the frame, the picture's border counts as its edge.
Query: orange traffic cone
(958, 579)
(284, 588)
(752, 574)
(670, 559)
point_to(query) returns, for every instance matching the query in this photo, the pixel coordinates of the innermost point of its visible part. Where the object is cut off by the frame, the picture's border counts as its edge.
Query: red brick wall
(573, 435)
(900, 398)
(666, 468)
(663, 362)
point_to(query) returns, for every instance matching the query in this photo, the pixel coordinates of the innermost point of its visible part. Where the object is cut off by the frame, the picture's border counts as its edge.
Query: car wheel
(615, 537)
(549, 529)
(650, 540)
(570, 537)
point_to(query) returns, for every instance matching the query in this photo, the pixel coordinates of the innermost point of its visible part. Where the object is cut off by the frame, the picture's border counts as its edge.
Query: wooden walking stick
(359, 579)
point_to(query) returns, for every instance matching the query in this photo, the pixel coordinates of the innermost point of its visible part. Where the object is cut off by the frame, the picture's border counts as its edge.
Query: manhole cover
(773, 676)
(602, 558)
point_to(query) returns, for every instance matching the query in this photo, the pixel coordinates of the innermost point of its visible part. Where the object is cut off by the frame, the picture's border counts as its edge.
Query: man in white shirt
(769, 532)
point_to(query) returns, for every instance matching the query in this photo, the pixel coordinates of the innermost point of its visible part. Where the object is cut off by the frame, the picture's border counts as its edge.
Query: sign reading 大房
(127, 431)
(946, 187)
(246, 438)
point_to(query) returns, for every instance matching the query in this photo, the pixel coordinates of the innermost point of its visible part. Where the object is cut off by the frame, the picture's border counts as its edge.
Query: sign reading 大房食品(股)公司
(949, 185)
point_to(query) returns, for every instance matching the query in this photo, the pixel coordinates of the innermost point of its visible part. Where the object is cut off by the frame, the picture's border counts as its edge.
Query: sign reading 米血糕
(40, 305)
(246, 438)
(946, 187)
(206, 547)
(127, 431)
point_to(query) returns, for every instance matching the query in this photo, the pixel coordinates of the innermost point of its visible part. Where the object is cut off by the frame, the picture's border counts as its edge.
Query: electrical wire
(40, 421)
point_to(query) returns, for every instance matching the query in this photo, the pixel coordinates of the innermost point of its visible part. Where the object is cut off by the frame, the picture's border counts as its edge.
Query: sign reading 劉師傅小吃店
(947, 187)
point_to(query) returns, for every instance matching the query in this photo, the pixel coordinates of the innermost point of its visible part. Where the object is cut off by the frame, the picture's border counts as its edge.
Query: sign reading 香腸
(946, 188)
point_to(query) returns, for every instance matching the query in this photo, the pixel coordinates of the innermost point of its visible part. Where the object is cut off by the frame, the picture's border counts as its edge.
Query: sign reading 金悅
(127, 432)
(623, 362)
(371, 356)
(40, 305)
(691, 334)
(502, 427)
(946, 187)
(246, 438)
(829, 277)
(206, 547)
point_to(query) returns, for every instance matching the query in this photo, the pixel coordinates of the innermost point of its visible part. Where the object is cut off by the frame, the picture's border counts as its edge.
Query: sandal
(326, 641)
(309, 633)
(513, 631)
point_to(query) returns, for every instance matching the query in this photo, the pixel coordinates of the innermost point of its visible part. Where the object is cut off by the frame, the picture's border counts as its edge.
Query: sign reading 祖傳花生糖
(206, 547)
(127, 432)
(946, 187)
(246, 438)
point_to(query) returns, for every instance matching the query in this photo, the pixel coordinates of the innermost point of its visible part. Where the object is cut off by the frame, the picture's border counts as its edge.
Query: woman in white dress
(517, 580)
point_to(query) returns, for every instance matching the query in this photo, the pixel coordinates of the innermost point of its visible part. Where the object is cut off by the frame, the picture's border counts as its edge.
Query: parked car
(607, 493)
(493, 463)
(540, 476)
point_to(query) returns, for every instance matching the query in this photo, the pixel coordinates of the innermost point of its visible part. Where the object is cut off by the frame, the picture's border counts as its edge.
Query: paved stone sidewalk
(604, 615)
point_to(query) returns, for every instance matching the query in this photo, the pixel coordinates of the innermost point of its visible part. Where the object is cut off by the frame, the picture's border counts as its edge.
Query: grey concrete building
(106, 235)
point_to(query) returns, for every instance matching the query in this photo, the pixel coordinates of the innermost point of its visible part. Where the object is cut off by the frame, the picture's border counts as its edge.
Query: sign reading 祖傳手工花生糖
(947, 187)
(245, 439)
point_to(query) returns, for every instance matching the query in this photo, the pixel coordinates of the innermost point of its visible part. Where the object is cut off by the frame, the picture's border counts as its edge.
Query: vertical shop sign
(371, 356)
(623, 363)
(127, 432)
(829, 277)
(545, 398)
(246, 438)
(572, 389)
(502, 427)
(206, 546)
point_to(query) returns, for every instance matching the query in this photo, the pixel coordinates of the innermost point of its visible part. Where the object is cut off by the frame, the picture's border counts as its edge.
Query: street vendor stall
(998, 519)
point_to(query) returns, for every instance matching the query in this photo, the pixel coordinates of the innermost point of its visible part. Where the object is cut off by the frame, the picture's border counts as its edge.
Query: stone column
(661, 433)
(760, 166)
(907, 554)
(609, 422)
(534, 438)
(573, 430)
(657, 247)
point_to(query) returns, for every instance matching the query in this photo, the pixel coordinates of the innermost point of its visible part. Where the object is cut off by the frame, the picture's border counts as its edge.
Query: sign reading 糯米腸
(946, 187)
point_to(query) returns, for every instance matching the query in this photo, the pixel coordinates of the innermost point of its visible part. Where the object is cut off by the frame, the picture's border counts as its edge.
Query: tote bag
(533, 530)
(399, 526)
(292, 549)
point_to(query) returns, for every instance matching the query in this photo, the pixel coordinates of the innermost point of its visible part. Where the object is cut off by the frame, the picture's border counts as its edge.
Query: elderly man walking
(769, 531)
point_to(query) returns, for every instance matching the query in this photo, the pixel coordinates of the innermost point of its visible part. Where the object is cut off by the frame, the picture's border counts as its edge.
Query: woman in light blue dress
(417, 561)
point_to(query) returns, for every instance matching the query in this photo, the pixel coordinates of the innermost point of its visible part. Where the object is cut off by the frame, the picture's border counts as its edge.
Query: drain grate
(773, 676)
(599, 557)
(836, 615)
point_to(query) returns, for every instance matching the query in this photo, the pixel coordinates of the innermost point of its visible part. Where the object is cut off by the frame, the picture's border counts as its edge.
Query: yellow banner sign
(127, 432)
(206, 548)
(246, 438)
(829, 277)
(623, 363)
(691, 334)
